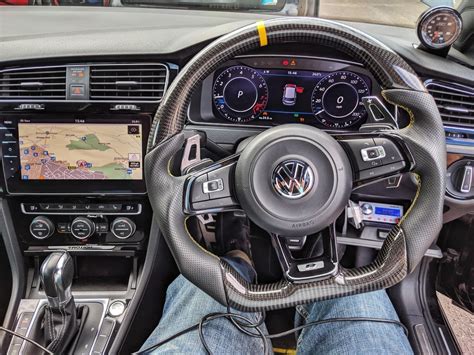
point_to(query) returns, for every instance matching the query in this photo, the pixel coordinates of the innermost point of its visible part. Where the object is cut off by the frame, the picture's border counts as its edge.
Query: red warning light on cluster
(287, 62)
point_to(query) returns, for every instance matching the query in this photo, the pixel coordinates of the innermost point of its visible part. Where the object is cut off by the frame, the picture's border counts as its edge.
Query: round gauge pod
(439, 27)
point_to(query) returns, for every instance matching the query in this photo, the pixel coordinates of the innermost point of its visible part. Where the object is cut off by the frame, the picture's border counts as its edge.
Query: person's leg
(352, 337)
(185, 306)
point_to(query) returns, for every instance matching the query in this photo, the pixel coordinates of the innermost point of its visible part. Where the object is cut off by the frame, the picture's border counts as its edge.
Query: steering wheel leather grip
(166, 193)
(424, 139)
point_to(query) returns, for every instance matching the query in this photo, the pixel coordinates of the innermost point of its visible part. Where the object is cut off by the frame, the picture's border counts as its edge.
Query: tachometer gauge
(336, 99)
(240, 94)
(439, 27)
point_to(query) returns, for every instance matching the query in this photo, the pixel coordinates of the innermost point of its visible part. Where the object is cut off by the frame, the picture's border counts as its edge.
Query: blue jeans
(186, 305)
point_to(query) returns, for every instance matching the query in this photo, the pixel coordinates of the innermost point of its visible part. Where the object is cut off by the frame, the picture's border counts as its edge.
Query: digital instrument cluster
(317, 92)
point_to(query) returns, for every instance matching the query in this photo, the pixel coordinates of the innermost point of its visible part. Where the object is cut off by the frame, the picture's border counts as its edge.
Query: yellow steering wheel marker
(262, 33)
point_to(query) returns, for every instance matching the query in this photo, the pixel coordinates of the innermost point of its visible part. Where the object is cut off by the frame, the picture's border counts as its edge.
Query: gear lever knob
(57, 272)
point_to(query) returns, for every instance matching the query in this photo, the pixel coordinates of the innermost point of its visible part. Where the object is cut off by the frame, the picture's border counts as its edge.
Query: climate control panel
(89, 225)
(82, 228)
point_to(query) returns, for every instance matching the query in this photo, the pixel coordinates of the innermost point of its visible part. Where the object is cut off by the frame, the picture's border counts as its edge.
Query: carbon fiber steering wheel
(295, 180)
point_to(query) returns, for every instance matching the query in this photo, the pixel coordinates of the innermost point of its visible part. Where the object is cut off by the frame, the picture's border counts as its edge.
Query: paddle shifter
(60, 323)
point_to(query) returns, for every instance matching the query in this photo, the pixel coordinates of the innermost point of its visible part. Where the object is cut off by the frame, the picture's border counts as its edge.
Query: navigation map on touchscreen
(80, 151)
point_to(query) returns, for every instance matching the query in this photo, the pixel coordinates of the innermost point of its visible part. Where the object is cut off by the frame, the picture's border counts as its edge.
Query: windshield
(391, 12)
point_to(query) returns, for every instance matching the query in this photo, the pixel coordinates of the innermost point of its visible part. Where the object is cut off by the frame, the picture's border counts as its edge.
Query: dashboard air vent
(455, 102)
(128, 82)
(45, 83)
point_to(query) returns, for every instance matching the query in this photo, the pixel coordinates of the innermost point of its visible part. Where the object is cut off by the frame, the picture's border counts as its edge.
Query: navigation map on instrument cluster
(80, 151)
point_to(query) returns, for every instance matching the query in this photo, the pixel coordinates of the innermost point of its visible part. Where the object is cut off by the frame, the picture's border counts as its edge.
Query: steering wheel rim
(423, 139)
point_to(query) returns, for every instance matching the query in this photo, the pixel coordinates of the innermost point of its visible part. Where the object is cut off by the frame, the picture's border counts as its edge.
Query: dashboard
(277, 89)
(82, 77)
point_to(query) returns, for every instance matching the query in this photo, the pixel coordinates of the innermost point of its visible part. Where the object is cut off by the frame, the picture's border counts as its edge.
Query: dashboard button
(10, 166)
(130, 207)
(10, 149)
(63, 227)
(31, 207)
(102, 227)
(7, 135)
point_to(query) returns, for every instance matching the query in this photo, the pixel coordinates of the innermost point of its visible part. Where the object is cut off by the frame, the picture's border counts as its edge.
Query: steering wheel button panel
(382, 171)
(198, 193)
(221, 179)
(359, 150)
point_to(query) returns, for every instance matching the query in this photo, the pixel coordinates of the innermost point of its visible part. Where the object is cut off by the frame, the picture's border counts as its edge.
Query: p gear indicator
(240, 94)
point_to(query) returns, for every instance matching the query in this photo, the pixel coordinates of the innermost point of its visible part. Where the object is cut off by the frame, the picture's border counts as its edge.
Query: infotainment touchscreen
(80, 151)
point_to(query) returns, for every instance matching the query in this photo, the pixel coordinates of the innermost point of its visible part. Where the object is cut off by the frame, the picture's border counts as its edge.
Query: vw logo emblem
(293, 179)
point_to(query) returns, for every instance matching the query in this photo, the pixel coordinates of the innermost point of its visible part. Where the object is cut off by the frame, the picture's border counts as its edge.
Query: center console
(72, 180)
(94, 167)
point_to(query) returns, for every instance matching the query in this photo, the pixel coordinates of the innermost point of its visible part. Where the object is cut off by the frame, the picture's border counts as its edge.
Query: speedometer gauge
(336, 99)
(240, 94)
(439, 27)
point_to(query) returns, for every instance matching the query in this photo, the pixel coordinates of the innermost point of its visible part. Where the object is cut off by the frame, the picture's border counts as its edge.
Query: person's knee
(370, 304)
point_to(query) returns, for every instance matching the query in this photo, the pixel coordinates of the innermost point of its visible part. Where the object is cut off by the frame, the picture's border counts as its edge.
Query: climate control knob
(41, 227)
(82, 228)
(123, 228)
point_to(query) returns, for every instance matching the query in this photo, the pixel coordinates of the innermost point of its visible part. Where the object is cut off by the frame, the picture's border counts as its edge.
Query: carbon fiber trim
(387, 67)
(388, 269)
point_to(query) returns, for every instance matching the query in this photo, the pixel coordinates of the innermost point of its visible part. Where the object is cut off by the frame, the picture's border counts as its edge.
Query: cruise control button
(214, 204)
(382, 171)
(197, 193)
(392, 154)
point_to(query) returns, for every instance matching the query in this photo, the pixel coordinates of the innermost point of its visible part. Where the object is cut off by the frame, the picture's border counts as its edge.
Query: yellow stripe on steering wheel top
(262, 33)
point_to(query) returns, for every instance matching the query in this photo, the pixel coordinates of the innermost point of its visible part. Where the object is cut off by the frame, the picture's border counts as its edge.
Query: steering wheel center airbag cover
(323, 196)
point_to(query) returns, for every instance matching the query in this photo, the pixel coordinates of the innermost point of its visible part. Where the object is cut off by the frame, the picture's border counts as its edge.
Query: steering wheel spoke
(299, 265)
(212, 190)
(376, 156)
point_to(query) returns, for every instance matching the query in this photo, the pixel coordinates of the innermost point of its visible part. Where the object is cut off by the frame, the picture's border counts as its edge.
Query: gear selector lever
(60, 320)
(56, 274)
